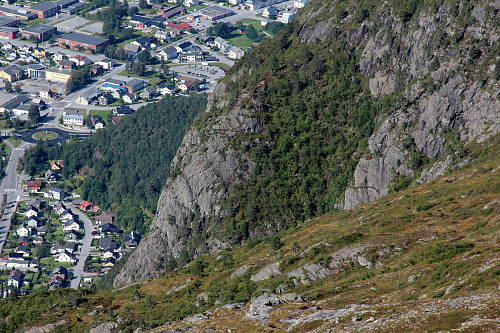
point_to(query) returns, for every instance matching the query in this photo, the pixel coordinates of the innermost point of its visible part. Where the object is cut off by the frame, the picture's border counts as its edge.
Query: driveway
(84, 250)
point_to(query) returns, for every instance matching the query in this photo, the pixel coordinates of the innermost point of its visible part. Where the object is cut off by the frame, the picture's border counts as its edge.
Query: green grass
(220, 65)
(153, 77)
(15, 141)
(50, 263)
(255, 23)
(104, 114)
(240, 40)
(45, 135)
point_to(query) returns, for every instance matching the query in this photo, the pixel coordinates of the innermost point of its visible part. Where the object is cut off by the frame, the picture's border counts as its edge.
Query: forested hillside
(351, 100)
(124, 167)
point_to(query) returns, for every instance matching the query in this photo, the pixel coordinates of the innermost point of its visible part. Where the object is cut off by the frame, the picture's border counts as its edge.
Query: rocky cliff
(431, 73)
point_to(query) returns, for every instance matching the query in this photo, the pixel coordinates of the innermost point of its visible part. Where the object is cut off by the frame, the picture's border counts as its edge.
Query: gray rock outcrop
(267, 272)
(261, 307)
(203, 170)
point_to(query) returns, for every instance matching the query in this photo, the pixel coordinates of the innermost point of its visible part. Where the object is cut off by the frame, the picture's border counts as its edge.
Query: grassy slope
(445, 233)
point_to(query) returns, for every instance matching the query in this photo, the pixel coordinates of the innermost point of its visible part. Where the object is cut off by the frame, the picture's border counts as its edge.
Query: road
(84, 250)
(12, 186)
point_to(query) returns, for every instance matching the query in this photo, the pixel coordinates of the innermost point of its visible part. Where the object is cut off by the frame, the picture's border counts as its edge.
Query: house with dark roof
(107, 244)
(149, 93)
(109, 228)
(122, 110)
(131, 240)
(172, 11)
(143, 42)
(135, 85)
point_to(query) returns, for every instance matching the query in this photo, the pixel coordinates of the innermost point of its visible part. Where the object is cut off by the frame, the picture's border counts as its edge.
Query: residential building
(191, 57)
(166, 89)
(132, 50)
(72, 236)
(182, 26)
(32, 185)
(86, 205)
(61, 4)
(82, 42)
(61, 272)
(131, 240)
(32, 223)
(235, 52)
(105, 98)
(31, 212)
(143, 42)
(187, 85)
(107, 244)
(270, 11)
(96, 70)
(258, 4)
(167, 54)
(122, 110)
(162, 35)
(106, 63)
(65, 257)
(44, 9)
(110, 229)
(58, 75)
(300, 3)
(51, 176)
(285, 17)
(71, 225)
(149, 93)
(67, 64)
(104, 218)
(98, 122)
(130, 98)
(73, 117)
(12, 73)
(191, 3)
(88, 96)
(80, 60)
(56, 193)
(15, 279)
(181, 47)
(23, 231)
(235, 2)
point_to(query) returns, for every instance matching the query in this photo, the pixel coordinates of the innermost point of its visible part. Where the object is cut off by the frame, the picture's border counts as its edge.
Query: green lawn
(255, 23)
(153, 77)
(15, 141)
(220, 64)
(50, 263)
(240, 40)
(102, 113)
(45, 135)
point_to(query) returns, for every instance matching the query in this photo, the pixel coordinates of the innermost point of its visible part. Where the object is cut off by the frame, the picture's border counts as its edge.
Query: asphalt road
(84, 250)
(12, 186)
(61, 135)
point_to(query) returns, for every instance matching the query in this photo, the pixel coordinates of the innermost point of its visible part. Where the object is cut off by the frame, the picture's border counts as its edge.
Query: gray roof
(39, 28)
(75, 112)
(136, 82)
(82, 38)
(55, 189)
(13, 70)
(44, 6)
(5, 20)
(91, 93)
(131, 47)
(9, 105)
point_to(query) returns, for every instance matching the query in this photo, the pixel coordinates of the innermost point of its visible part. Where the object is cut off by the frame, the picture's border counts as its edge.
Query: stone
(267, 272)
(239, 272)
(107, 327)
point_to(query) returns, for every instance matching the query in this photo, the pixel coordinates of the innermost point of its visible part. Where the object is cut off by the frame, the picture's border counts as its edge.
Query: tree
(8, 86)
(34, 114)
(18, 88)
(252, 33)
(138, 68)
(143, 4)
(132, 11)
(144, 56)
(219, 30)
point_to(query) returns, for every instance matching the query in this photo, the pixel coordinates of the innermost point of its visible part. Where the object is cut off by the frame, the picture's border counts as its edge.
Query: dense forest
(123, 167)
(318, 116)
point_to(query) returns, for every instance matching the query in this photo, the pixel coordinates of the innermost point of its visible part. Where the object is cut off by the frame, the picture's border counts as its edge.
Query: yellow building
(11, 73)
(58, 75)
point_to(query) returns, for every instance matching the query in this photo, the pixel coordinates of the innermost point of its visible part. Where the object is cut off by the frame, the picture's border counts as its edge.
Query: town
(70, 70)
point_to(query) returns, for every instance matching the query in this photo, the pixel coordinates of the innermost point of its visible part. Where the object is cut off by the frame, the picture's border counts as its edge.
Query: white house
(285, 17)
(167, 54)
(73, 117)
(270, 11)
(129, 98)
(80, 60)
(300, 3)
(71, 225)
(191, 3)
(55, 193)
(166, 89)
(235, 52)
(23, 231)
(32, 223)
(66, 216)
(106, 63)
(163, 35)
(30, 213)
(65, 257)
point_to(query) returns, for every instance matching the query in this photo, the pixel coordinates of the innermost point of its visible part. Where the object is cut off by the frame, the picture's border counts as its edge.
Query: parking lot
(210, 73)
(93, 28)
(71, 24)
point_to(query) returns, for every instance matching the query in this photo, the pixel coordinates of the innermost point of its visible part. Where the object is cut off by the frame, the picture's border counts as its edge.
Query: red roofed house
(32, 185)
(115, 120)
(183, 26)
(187, 85)
(86, 205)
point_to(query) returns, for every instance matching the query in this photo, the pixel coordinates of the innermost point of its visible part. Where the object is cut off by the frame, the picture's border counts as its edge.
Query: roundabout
(46, 135)
(52, 135)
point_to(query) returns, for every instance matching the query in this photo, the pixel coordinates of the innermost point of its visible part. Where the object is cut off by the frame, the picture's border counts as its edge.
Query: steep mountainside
(351, 95)
(421, 260)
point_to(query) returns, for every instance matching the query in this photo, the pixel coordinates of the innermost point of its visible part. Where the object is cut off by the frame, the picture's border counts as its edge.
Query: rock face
(266, 273)
(445, 99)
(441, 71)
(203, 170)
